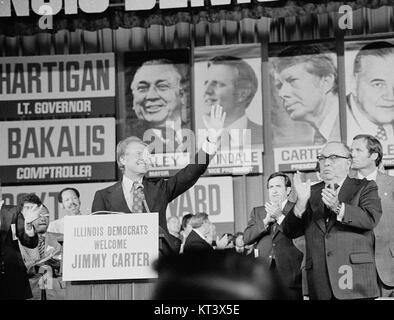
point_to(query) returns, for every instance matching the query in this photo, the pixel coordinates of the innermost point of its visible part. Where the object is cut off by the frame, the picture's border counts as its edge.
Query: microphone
(140, 188)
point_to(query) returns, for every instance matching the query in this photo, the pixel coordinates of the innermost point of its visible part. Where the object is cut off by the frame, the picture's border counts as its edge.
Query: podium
(110, 290)
(110, 256)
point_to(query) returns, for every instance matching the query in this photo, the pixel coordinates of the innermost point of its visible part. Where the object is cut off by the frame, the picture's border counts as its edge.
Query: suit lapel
(147, 193)
(288, 206)
(116, 196)
(318, 206)
(348, 189)
(346, 194)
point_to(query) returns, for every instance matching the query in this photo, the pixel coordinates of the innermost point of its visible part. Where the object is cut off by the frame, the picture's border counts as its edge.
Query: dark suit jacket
(14, 284)
(158, 193)
(274, 244)
(340, 257)
(195, 243)
(384, 231)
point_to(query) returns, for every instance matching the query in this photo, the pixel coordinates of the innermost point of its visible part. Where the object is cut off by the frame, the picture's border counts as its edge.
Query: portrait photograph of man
(156, 104)
(370, 90)
(231, 77)
(304, 87)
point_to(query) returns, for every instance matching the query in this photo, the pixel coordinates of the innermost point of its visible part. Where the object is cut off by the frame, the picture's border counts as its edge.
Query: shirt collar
(200, 234)
(371, 176)
(128, 183)
(282, 206)
(364, 123)
(340, 183)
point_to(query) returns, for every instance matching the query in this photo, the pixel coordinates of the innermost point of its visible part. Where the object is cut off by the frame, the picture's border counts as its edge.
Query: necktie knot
(381, 133)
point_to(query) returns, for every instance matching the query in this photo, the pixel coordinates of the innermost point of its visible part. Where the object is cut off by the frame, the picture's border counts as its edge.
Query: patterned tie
(318, 138)
(41, 246)
(138, 196)
(381, 133)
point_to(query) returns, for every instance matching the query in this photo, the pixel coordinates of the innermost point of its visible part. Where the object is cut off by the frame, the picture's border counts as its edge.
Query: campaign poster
(369, 66)
(48, 194)
(213, 195)
(57, 86)
(304, 102)
(39, 151)
(154, 98)
(230, 76)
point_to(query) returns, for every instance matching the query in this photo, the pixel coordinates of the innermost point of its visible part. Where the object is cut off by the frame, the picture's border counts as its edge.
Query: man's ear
(122, 160)
(288, 190)
(374, 155)
(328, 83)
(242, 94)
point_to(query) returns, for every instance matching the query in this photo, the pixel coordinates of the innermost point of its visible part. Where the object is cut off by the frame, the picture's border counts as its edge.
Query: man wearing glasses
(337, 217)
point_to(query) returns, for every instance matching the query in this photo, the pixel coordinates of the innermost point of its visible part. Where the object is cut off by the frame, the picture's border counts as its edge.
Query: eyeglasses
(331, 157)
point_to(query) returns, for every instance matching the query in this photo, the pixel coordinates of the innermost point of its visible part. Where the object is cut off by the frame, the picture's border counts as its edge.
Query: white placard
(110, 246)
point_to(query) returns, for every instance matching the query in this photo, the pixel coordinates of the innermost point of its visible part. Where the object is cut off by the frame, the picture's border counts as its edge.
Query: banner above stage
(111, 246)
(22, 8)
(57, 86)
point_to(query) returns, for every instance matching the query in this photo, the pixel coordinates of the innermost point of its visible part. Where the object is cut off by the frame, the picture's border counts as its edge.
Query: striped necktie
(41, 246)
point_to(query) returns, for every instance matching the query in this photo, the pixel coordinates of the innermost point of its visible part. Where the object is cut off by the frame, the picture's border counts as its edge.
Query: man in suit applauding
(136, 193)
(264, 227)
(337, 217)
(367, 153)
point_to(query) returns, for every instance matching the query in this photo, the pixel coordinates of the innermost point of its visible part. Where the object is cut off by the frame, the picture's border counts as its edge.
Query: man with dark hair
(337, 217)
(71, 204)
(265, 229)
(371, 102)
(306, 82)
(197, 238)
(136, 193)
(232, 83)
(367, 153)
(16, 225)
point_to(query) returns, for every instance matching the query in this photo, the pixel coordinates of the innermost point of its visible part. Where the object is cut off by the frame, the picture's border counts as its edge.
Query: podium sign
(110, 246)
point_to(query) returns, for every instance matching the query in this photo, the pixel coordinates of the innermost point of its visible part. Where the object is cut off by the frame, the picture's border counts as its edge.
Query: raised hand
(31, 214)
(215, 123)
(303, 189)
